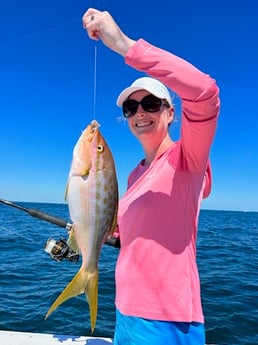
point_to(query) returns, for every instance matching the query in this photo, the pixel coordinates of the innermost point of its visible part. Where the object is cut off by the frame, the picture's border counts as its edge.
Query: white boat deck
(23, 338)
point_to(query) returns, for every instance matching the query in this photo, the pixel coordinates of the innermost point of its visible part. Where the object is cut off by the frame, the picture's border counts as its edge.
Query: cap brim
(126, 93)
(131, 89)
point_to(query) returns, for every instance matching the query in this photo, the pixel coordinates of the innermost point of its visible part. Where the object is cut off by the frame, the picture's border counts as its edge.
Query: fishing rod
(39, 214)
(58, 250)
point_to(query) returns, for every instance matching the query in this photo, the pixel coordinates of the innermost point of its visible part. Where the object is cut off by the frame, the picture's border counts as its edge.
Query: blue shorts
(137, 331)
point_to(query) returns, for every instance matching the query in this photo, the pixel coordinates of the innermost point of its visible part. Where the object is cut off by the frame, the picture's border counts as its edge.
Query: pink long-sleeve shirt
(156, 273)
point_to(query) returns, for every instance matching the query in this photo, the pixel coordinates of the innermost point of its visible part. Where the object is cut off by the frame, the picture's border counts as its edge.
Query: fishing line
(95, 82)
(4, 229)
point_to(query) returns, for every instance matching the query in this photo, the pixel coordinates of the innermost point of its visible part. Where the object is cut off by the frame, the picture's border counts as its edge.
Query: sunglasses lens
(149, 103)
(130, 107)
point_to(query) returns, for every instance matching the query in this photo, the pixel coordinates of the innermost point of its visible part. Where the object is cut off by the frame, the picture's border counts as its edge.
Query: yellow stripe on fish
(92, 195)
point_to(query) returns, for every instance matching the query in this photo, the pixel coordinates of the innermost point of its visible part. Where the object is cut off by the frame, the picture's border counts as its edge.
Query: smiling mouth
(143, 124)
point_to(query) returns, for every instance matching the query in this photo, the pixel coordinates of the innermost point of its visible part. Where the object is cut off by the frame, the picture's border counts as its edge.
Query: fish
(92, 196)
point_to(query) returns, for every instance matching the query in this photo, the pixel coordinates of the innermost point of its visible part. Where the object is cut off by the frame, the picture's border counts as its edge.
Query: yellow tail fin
(83, 282)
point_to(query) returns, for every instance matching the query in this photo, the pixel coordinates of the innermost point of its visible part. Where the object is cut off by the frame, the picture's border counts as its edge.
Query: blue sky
(47, 89)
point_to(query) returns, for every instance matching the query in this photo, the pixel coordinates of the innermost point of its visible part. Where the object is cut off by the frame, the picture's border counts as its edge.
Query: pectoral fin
(72, 243)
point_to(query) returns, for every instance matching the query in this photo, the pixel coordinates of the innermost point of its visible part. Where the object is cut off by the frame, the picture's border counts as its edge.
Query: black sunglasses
(149, 103)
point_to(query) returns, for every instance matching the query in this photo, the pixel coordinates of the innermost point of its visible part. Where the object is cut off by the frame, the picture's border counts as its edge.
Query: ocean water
(30, 280)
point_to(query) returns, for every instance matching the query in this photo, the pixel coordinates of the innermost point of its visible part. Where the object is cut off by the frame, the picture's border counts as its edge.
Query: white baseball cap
(153, 86)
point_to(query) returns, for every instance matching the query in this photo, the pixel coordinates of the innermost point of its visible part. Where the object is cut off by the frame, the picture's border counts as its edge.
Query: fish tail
(83, 282)
(91, 293)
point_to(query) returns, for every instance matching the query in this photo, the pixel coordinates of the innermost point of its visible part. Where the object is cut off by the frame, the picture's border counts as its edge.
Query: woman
(157, 282)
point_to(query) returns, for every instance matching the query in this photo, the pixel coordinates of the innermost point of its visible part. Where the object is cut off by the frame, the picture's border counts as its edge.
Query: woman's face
(148, 125)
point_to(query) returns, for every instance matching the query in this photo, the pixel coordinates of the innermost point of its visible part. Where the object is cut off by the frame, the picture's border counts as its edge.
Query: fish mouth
(91, 130)
(94, 125)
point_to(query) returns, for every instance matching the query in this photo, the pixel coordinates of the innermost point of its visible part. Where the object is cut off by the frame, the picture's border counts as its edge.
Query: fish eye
(100, 148)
